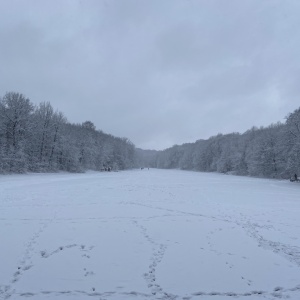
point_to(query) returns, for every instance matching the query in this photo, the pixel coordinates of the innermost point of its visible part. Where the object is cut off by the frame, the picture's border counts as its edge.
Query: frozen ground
(153, 234)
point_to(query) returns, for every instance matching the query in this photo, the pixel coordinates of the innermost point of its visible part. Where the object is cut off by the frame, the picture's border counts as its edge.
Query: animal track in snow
(291, 253)
(25, 264)
(46, 254)
(157, 256)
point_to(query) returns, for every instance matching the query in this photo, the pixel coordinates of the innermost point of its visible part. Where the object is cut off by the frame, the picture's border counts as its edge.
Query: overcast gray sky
(160, 72)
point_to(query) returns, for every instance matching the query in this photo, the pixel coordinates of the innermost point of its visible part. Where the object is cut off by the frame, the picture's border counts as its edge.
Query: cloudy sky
(160, 72)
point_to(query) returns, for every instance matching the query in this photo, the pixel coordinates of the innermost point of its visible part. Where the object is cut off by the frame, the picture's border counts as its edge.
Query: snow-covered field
(148, 234)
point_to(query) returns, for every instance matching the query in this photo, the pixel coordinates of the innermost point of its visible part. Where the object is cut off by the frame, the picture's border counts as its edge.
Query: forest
(36, 138)
(272, 152)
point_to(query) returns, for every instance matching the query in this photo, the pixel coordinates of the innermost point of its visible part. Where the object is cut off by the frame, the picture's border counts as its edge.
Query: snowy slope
(148, 234)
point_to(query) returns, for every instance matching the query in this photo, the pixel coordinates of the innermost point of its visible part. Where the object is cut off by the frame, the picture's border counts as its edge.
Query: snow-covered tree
(293, 141)
(15, 112)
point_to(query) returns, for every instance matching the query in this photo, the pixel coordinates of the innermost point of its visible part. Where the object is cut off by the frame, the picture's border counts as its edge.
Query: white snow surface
(148, 234)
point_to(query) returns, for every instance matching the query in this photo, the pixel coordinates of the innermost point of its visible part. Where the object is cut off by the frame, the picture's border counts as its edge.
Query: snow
(148, 234)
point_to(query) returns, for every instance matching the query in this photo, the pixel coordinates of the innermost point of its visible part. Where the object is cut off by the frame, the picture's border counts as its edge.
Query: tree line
(37, 138)
(272, 152)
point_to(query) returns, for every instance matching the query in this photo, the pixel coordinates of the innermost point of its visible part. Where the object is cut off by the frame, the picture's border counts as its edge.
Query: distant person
(296, 177)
